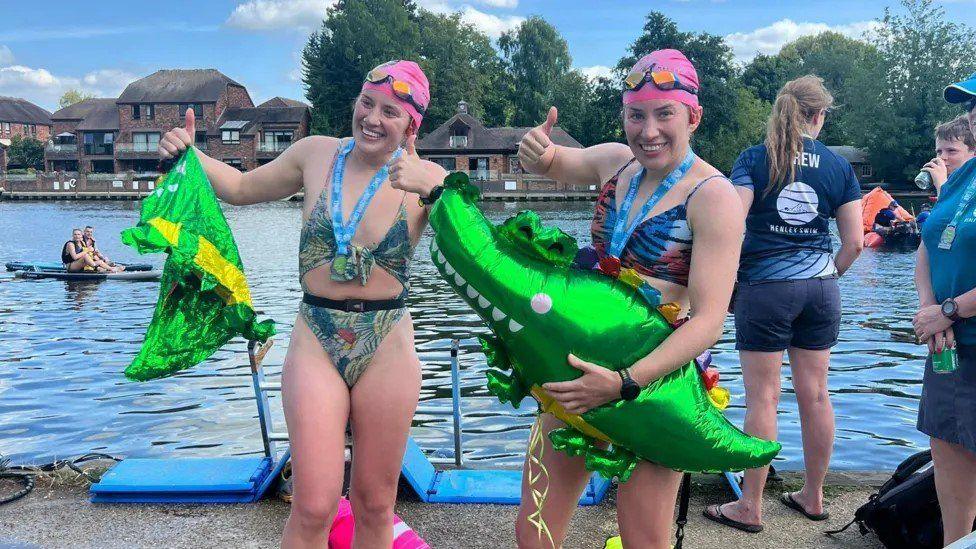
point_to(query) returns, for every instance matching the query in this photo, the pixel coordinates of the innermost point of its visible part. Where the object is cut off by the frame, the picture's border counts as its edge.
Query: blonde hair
(797, 102)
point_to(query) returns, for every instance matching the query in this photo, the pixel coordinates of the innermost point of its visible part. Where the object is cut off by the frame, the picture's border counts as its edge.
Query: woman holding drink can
(945, 276)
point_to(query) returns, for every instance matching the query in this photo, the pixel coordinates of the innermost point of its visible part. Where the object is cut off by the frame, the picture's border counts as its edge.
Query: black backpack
(904, 513)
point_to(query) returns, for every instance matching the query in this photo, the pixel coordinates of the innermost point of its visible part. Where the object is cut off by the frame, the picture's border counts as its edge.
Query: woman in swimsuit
(351, 356)
(685, 245)
(77, 257)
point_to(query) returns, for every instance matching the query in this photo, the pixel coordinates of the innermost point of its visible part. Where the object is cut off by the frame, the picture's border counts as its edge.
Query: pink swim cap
(665, 60)
(410, 73)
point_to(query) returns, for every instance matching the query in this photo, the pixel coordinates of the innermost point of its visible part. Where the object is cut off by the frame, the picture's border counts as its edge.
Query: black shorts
(947, 410)
(775, 315)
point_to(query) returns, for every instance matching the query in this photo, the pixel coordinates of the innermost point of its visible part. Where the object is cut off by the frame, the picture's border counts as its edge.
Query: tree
(604, 123)
(72, 96)
(461, 65)
(572, 95)
(713, 61)
(766, 74)
(898, 101)
(536, 57)
(26, 151)
(356, 36)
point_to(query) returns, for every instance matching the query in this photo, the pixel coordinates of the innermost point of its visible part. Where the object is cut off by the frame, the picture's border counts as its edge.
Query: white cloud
(40, 86)
(6, 56)
(279, 14)
(768, 40)
(492, 25)
(596, 71)
(505, 4)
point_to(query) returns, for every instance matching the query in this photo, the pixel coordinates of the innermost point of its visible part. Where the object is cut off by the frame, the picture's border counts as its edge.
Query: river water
(63, 347)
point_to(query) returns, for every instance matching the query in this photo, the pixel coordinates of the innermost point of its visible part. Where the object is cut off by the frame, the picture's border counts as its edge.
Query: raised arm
(278, 179)
(539, 155)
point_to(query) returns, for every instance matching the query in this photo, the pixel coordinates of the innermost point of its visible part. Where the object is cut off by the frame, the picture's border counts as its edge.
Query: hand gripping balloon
(518, 278)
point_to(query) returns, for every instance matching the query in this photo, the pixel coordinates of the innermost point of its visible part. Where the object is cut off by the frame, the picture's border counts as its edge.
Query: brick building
(19, 117)
(121, 135)
(463, 143)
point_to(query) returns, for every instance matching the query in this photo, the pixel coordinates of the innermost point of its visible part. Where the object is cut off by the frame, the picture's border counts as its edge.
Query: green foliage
(26, 151)
(72, 96)
(897, 99)
(537, 57)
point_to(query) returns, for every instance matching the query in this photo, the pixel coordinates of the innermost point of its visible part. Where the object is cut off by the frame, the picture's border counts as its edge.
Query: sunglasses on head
(401, 89)
(662, 80)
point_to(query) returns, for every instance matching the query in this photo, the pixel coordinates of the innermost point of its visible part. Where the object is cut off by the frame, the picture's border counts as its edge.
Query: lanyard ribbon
(949, 234)
(621, 230)
(344, 231)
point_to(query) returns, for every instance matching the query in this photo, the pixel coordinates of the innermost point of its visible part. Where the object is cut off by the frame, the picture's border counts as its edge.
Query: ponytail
(797, 102)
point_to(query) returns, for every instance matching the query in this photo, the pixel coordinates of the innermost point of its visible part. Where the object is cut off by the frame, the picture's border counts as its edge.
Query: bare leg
(955, 483)
(384, 400)
(567, 476)
(761, 377)
(645, 506)
(316, 402)
(816, 422)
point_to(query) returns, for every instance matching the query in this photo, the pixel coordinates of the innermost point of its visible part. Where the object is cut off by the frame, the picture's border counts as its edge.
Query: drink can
(945, 362)
(923, 180)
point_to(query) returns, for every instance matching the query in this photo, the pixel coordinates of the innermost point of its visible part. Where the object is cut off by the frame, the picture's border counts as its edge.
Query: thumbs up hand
(411, 173)
(177, 140)
(536, 151)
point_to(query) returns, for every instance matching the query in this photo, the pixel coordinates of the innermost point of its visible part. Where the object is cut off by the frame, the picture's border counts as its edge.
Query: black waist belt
(354, 305)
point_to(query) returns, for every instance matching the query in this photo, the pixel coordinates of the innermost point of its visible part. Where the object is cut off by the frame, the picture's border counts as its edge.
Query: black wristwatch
(435, 193)
(951, 310)
(629, 389)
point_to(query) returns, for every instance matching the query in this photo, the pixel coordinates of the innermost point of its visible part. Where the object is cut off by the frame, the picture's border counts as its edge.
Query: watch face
(630, 391)
(949, 308)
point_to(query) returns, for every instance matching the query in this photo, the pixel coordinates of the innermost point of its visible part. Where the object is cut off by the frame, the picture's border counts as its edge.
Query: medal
(948, 235)
(610, 265)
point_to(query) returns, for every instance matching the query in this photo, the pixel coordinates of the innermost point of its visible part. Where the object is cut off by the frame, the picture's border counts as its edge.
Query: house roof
(853, 155)
(178, 86)
(21, 111)
(102, 115)
(81, 109)
(254, 118)
(484, 139)
(283, 102)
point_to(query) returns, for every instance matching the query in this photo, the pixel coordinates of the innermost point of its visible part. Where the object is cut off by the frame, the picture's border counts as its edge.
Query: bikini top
(660, 247)
(317, 245)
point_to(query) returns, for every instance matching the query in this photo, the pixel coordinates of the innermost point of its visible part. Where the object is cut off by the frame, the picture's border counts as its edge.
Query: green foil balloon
(518, 277)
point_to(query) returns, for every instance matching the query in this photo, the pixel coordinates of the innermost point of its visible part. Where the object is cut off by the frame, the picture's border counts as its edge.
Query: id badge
(948, 235)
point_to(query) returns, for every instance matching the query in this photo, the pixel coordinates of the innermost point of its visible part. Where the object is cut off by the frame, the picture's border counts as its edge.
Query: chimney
(462, 107)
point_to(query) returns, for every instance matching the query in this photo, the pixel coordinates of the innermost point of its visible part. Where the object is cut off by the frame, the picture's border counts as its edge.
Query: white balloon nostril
(541, 303)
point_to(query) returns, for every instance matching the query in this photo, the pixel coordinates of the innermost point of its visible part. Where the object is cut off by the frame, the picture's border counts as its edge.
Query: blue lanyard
(621, 232)
(344, 231)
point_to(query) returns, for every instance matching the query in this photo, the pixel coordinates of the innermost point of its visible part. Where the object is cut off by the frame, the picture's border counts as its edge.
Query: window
(145, 142)
(448, 164)
(136, 112)
(234, 163)
(5, 128)
(276, 141)
(867, 170)
(197, 109)
(99, 142)
(200, 140)
(230, 137)
(150, 111)
(459, 141)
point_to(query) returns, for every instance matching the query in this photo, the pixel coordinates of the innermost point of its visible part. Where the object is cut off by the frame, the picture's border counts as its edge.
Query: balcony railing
(482, 174)
(97, 150)
(64, 148)
(267, 146)
(137, 147)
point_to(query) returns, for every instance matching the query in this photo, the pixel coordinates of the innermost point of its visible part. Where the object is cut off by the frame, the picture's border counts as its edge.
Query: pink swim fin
(340, 536)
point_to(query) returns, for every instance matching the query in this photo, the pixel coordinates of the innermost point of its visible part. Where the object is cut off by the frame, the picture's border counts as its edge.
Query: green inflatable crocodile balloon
(518, 277)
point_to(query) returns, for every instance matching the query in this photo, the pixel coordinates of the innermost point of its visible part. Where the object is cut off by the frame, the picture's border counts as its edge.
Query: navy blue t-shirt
(787, 232)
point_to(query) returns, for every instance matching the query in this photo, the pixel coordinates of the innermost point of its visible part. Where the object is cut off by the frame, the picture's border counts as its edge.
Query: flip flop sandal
(786, 499)
(726, 521)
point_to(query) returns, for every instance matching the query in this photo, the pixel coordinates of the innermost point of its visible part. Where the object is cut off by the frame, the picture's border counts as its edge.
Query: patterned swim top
(660, 246)
(317, 245)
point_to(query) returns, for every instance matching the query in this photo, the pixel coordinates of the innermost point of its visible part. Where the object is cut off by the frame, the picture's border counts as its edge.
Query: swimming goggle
(662, 80)
(401, 89)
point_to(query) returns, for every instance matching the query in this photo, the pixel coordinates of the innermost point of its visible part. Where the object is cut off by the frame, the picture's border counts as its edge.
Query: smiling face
(659, 131)
(379, 122)
(76, 235)
(89, 232)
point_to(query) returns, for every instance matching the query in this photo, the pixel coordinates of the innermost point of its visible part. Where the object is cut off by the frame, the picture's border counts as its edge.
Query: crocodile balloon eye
(541, 303)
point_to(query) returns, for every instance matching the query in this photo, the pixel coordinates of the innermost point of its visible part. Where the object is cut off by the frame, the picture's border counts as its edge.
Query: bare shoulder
(315, 145)
(712, 195)
(608, 158)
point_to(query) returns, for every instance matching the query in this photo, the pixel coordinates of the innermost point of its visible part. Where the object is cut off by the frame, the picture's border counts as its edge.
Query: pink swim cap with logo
(411, 73)
(665, 60)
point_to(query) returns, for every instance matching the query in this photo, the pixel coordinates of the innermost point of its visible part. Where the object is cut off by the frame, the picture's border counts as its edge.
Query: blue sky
(102, 46)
